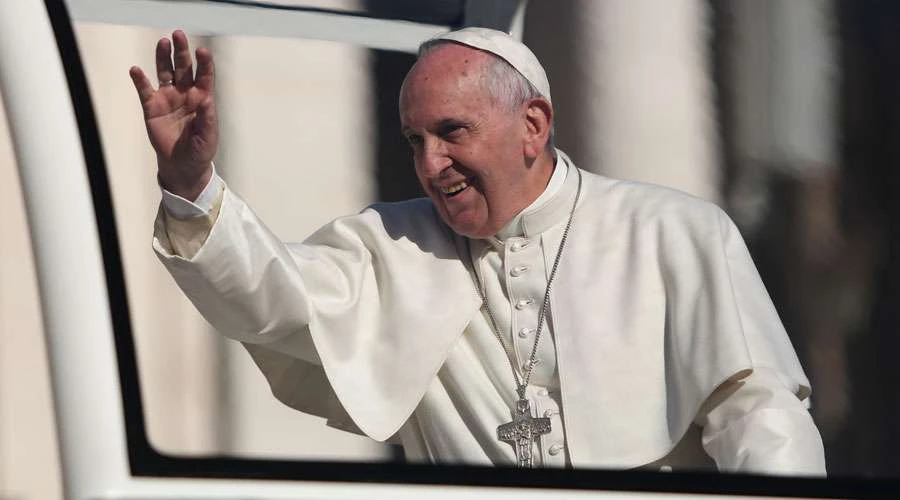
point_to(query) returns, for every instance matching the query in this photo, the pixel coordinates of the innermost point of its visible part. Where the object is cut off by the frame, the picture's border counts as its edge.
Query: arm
(758, 425)
(183, 129)
(733, 353)
(187, 224)
(182, 126)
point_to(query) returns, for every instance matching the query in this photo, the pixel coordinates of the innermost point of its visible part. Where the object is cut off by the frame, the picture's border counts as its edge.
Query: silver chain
(522, 384)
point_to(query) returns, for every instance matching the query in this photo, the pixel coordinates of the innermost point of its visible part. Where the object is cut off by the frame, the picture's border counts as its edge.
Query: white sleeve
(182, 209)
(758, 425)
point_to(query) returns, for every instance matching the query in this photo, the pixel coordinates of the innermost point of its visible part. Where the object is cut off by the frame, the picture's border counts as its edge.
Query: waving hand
(180, 115)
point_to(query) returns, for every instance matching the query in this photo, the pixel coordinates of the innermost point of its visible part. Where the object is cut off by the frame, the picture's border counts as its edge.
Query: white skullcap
(505, 47)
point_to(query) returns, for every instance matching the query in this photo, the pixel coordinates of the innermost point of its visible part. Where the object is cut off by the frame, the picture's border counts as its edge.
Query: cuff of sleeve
(769, 441)
(187, 236)
(759, 425)
(182, 209)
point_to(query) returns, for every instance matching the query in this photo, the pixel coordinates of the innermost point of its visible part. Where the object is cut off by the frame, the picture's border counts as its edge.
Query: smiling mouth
(455, 189)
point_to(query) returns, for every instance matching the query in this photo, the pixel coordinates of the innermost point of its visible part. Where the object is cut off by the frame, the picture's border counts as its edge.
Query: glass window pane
(297, 140)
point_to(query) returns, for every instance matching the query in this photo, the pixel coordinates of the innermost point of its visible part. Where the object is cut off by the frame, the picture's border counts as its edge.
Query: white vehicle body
(82, 303)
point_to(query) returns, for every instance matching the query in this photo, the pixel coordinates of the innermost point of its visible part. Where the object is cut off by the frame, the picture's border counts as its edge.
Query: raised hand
(180, 115)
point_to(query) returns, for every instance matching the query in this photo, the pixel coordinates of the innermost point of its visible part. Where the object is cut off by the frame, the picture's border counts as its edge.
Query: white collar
(541, 214)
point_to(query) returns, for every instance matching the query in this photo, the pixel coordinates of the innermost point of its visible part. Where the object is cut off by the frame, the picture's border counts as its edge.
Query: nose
(432, 158)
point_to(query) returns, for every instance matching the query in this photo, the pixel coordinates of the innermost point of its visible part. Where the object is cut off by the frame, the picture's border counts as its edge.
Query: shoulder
(645, 204)
(409, 217)
(380, 227)
(417, 208)
(413, 213)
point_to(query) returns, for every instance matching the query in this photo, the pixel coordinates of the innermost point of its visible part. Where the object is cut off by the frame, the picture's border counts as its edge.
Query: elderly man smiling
(525, 313)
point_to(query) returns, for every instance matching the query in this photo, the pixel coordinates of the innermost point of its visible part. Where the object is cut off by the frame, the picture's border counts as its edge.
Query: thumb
(141, 83)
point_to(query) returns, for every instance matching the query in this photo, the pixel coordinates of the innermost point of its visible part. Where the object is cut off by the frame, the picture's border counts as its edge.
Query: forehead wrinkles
(443, 70)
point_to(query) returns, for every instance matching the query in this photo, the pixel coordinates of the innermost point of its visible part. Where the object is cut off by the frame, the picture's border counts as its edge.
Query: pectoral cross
(523, 431)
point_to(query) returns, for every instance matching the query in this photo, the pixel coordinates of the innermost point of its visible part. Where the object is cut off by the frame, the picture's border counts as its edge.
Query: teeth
(455, 188)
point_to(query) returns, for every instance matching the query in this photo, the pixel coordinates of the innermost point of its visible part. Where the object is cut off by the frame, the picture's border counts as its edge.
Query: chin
(465, 226)
(461, 229)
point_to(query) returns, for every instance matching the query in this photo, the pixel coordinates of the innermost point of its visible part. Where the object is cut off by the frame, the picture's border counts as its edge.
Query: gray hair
(506, 85)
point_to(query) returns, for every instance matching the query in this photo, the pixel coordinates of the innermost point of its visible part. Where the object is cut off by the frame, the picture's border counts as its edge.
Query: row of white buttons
(553, 445)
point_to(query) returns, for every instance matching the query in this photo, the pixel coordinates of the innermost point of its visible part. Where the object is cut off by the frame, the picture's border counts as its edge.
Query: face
(474, 157)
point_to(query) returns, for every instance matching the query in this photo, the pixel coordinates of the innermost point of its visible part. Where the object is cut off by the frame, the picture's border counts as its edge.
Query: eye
(414, 140)
(451, 130)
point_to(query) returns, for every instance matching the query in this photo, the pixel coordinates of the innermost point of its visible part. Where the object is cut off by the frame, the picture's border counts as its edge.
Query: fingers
(206, 70)
(177, 67)
(184, 73)
(164, 71)
(141, 83)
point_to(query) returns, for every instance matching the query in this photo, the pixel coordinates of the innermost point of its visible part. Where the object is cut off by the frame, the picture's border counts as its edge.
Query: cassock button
(523, 303)
(524, 332)
(519, 245)
(555, 449)
(518, 271)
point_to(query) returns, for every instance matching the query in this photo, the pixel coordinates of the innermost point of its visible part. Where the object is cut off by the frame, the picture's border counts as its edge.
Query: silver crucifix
(523, 431)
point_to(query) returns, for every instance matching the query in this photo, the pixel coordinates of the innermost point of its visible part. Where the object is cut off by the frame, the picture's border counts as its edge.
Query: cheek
(418, 171)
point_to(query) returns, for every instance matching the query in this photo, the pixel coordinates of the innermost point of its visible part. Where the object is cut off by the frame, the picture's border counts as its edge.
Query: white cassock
(660, 335)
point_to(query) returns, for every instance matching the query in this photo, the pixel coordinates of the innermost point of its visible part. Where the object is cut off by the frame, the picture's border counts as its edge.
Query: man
(526, 312)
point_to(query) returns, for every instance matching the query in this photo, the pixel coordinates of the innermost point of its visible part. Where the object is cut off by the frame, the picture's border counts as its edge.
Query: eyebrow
(451, 121)
(404, 130)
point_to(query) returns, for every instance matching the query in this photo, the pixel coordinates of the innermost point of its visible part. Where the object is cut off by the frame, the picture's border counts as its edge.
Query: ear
(538, 120)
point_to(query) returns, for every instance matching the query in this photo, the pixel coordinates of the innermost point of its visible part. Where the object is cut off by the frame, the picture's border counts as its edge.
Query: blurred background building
(785, 112)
